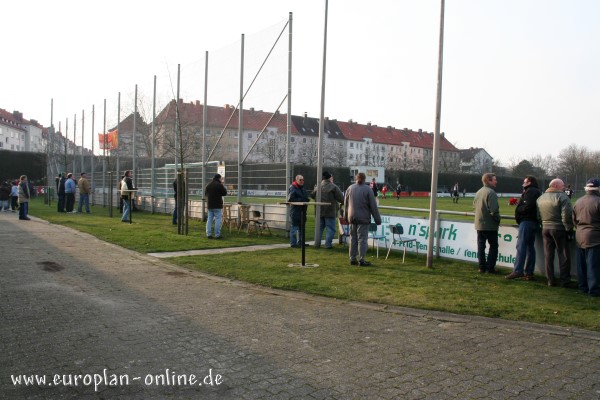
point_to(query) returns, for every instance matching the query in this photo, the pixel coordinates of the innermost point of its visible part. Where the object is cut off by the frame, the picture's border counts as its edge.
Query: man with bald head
(555, 212)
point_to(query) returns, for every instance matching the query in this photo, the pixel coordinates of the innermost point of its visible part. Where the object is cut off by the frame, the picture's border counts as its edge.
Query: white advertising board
(458, 240)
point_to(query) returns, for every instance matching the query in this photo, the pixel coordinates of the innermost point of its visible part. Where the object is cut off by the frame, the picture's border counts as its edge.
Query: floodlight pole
(436, 144)
(321, 134)
(240, 127)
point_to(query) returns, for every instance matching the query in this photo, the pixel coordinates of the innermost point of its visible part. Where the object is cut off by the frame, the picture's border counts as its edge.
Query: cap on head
(326, 175)
(593, 183)
(217, 177)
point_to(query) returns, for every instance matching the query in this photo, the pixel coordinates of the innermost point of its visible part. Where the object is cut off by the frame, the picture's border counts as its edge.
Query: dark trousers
(556, 240)
(490, 237)
(70, 201)
(588, 270)
(61, 203)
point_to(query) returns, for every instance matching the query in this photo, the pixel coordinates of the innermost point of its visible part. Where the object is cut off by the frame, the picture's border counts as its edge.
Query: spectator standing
(14, 196)
(359, 206)
(526, 215)
(330, 193)
(24, 196)
(487, 221)
(175, 197)
(297, 193)
(84, 193)
(5, 196)
(70, 188)
(586, 217)
(61, 193)
(569, 191)
(555, 213)
(398, 191)
(215, 191)
(374, 187)
(455, 193)
(126, 186)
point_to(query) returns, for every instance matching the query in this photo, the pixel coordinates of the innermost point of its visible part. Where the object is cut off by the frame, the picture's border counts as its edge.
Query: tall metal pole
(74, 141)
(118, 133)
(82, 138)
(436, 143)
(104, 158)
(66, 144)
(153, 173)
(50, 149)
(177, 123)
(204, 127)
(241, 120)
(321, 135)
(93, 157)
(134, 129)
(288, 167)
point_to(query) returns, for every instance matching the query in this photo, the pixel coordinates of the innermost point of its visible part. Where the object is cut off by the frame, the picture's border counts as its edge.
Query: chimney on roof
(443, 134)
(197, 103)
(369, 123)
(350, 121)
(420, 130)
(33, 122)
(305, 114)
(227, 106)
(18, 116)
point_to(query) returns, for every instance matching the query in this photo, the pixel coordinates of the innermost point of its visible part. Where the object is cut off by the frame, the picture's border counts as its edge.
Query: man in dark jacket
(214, 192)
(297, 193)
(330, 193)
(4, 196)
(61, 193)
(526, 215)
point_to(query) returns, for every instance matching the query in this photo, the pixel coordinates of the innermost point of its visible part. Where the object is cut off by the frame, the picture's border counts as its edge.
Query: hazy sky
(520, 76)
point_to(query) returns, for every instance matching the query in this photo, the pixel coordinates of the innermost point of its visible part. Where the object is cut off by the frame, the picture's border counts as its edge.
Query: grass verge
(451, 286)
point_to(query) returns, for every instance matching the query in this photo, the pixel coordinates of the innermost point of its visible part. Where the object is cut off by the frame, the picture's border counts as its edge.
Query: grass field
(451, 286)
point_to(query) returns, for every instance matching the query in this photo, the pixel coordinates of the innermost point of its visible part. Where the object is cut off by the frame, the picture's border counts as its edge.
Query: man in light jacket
(359, 206)
(555, 212)
(487, 222)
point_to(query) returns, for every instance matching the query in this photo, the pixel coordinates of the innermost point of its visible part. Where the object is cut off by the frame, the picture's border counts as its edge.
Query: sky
(520, 77)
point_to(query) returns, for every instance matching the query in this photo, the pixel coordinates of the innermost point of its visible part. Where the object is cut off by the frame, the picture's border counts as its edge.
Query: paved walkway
(112, 323)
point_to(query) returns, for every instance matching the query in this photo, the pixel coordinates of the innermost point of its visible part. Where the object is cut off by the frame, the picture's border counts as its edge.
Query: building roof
(228, 115)
(470, 153)
(9, 119)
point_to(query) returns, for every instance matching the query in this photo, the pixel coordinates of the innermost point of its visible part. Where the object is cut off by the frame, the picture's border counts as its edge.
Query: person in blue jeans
(526, 215)
(330, 193)
(215, 191)
(126, 185)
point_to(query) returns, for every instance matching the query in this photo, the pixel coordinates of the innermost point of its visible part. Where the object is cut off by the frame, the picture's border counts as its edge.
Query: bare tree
(573, 163)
